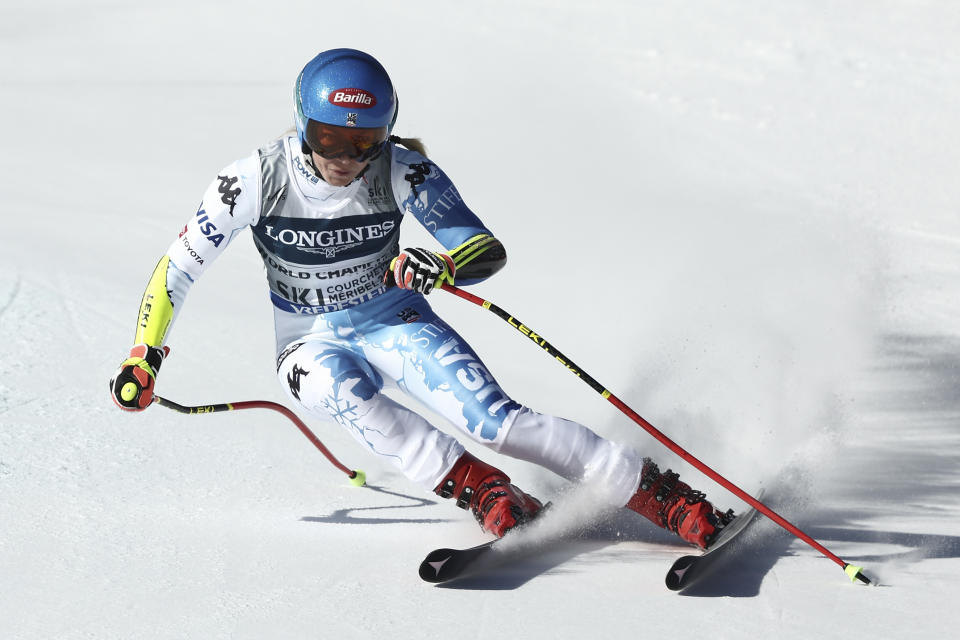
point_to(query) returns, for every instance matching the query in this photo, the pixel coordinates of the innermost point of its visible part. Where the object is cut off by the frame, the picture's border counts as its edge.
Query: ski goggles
(330, 142)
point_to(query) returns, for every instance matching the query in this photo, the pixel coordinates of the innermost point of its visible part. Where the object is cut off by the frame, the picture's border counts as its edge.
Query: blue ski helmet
(345, 88)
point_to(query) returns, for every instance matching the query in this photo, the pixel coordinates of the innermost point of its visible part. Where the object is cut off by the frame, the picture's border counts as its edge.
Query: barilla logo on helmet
(353, 98)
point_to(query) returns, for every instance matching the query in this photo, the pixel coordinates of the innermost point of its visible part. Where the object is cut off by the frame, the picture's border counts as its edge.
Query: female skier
(325, 207)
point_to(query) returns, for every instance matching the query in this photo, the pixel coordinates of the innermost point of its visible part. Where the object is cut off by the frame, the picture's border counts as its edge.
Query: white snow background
(740, 216)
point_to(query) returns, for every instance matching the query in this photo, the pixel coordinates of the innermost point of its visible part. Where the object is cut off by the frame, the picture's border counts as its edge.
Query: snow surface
(741, 216)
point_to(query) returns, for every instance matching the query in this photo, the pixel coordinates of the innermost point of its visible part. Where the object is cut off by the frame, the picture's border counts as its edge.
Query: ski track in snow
(13, 296)
(768, 191)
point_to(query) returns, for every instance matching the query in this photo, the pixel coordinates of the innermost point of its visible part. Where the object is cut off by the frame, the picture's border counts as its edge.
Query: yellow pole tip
(855, 573)
(359, 479)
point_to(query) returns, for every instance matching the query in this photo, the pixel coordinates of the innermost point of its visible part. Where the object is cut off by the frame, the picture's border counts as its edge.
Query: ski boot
(673, 505)
(496, 504)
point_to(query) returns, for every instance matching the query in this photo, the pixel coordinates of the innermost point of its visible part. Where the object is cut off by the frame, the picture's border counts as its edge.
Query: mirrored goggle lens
(331, 142)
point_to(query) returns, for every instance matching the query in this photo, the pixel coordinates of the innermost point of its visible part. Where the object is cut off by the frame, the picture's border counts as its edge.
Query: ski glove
(132, 385)
(420, 270)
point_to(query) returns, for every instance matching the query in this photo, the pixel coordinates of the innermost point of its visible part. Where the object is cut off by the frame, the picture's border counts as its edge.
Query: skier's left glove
(420, 270)
(132, 385)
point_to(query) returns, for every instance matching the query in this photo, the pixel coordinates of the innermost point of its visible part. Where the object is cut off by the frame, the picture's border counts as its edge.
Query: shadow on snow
(348, 515)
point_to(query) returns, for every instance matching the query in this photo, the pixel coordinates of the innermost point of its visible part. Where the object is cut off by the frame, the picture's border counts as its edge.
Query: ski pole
(855, 573)
(357, 477)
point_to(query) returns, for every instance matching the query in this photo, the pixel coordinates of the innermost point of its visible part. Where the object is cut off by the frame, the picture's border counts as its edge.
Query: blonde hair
(414, 144)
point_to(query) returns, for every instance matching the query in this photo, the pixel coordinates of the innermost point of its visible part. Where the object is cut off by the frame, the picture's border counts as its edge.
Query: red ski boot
(673, 505)
(496, 504)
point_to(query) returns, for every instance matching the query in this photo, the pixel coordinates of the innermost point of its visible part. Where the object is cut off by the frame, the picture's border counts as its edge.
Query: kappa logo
(293, 380)
(353, 98)
(409, 315)
(228, 195)
(418, 175)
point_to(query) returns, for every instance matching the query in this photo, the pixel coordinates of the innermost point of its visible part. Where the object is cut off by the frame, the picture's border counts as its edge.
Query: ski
(688, 569)
(442, 565)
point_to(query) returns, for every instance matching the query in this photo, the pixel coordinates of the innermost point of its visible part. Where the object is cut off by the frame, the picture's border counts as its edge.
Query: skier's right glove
(132, 385)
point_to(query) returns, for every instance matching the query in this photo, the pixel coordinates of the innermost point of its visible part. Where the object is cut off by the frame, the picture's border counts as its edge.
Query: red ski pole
(855, 573)
(357, 477)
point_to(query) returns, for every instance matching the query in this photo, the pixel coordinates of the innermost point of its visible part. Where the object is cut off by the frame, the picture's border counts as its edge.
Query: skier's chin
(339, 173)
